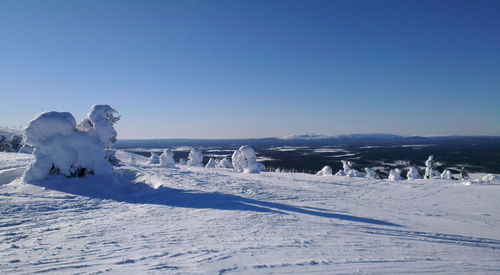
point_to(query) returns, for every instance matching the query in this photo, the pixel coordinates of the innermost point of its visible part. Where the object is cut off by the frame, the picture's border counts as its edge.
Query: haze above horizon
(250, 69)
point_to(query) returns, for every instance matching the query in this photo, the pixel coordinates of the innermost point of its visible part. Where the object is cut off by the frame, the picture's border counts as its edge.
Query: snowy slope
(150, 219)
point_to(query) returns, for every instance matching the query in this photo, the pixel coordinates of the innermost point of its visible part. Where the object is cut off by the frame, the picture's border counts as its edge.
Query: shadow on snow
(126, 190)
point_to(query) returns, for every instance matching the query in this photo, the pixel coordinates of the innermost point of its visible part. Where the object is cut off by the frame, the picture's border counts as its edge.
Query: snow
(395, 175)
(151, 219)
(244, 160)
(195, 158)
(370, 173)
(62, 149)
(446, 175)
(225, 163)
(211, 163)
(413, 174)
(326, 171)
(429, 173)
(167, 158)
(154, 159)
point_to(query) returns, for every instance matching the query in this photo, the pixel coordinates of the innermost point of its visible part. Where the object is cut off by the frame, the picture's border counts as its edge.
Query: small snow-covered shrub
(244, 160)
(326, 171)
(446, 175)
(167, 158)
(370, 173)
(395, 175)
(490, 178)
(195, 158)
(340, 173)
(348, 171)
(413, 174)
(211, 163)
(225, 163)
(62, 148)
(353, 173)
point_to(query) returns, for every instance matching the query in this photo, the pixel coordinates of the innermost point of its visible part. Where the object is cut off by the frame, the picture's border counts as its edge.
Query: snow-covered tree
(154, 158)
(244, 160)
(195, 158)
(371, 174)
(61, 148)
(225, 163)
(395, 175)
(348, 171)
(446, 175)
(167, 158)
(326, 171)
(211, 163)
(413, 174)
(429, 173)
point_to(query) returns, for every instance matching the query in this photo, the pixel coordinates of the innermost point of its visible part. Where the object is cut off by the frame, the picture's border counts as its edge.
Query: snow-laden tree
(446, 175)
(195, 158)
(211, 163)
(429, 173)
(62, 148)
(413, 174)
(167, 158)
(395, 175)
(326, 171)
(371, 174)
(154, 158)
(348, 171)
(225, 163)
(244, 160)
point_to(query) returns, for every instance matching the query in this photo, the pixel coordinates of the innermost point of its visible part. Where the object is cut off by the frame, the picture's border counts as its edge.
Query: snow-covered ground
(152, 219)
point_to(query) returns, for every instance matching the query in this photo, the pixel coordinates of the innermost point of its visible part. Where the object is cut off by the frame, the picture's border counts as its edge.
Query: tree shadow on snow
(140, 193)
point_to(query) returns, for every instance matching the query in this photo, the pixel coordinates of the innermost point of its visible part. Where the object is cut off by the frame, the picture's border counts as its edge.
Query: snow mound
(167, 158)
(195, 158)
(244, 160)
(413, 174)
(395, 175)
(211, 163)
(61, 148)
(326, 171)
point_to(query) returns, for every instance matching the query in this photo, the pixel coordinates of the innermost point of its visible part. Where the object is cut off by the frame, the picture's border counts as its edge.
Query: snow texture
(244, 160)
(395, 175)
(195, 158)
(413, 174)
(326, 171)
(60, 148)
(167, 158)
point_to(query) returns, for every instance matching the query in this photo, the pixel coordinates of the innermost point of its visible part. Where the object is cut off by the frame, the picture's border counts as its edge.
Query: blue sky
(236, 69)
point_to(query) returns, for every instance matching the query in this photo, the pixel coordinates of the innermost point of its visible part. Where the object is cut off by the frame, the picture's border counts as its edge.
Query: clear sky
(236, 69)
